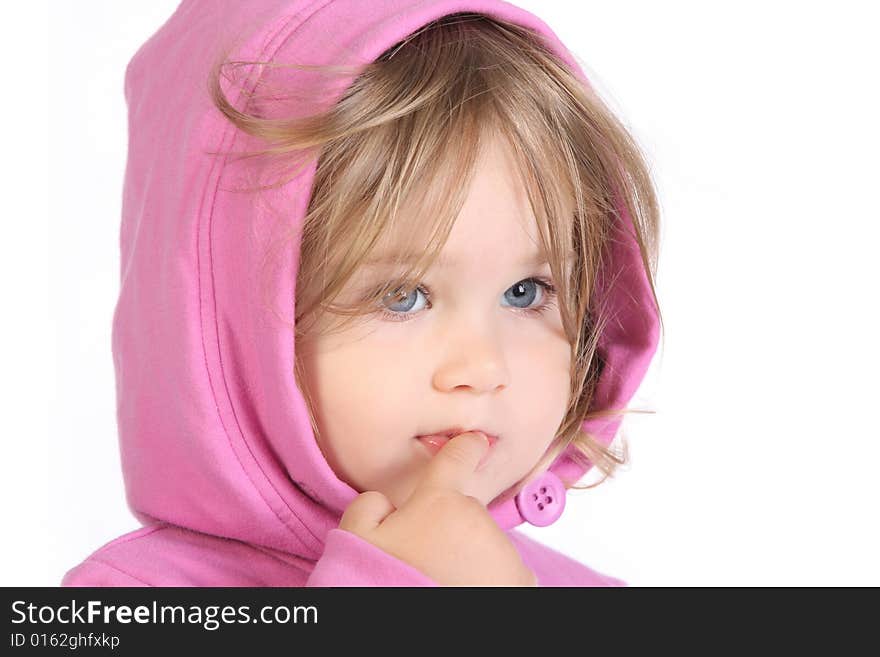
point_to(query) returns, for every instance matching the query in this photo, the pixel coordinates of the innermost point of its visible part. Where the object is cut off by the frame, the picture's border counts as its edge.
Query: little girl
(387, 288)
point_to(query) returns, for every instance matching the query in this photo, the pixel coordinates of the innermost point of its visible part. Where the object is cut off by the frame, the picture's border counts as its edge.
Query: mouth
(435, 441)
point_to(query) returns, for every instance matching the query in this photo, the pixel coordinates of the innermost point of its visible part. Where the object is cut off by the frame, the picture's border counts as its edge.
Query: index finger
(454, 465)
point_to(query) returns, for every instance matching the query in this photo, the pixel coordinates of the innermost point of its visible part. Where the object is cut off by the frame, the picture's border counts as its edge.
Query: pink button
(542, 500)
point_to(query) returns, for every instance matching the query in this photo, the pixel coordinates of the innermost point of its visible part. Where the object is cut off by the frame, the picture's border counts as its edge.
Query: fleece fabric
(220, 463)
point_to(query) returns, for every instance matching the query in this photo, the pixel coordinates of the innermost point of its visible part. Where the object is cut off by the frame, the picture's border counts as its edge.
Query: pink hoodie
(220, 462)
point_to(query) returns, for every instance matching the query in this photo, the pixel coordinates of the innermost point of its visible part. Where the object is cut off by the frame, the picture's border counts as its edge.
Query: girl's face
(479, 345)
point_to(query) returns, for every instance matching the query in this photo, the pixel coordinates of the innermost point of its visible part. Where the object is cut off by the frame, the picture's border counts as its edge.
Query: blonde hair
(406, 134)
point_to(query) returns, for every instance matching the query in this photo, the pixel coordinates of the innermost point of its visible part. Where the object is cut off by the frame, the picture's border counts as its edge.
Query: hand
(439, 530)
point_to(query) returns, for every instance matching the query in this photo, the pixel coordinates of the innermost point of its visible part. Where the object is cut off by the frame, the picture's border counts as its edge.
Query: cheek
(546, 371)
(357, 403)
(544, 387)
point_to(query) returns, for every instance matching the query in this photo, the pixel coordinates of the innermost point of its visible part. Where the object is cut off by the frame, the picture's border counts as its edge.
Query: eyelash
(548, 298)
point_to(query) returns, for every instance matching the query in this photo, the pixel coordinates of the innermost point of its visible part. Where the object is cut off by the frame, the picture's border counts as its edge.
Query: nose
(473, 358)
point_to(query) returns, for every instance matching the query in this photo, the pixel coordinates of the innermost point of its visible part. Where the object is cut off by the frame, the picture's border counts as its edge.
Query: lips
(436, 441)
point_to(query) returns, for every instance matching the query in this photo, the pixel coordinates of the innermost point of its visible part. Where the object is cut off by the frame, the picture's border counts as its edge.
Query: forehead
(496, 219)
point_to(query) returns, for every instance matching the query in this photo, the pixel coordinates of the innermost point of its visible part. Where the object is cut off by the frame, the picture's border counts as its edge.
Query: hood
(214, 432)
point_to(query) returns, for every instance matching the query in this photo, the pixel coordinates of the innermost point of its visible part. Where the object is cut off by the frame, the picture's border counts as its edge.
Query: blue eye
(523, 294)
(407, 299)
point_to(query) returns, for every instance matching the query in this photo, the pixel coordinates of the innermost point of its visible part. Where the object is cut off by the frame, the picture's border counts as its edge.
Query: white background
(760, 123)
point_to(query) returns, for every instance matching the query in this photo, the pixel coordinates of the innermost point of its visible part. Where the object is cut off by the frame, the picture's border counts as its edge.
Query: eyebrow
(535, 259)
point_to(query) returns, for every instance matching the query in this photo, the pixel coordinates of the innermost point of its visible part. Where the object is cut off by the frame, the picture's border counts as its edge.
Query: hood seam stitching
(210, 219)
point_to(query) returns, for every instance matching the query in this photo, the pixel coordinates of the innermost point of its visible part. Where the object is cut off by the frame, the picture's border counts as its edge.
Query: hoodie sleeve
(349, 560)
(97, 573)
(556, 569)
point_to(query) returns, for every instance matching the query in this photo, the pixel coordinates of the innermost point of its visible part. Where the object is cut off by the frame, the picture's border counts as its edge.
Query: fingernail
(487, 453)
